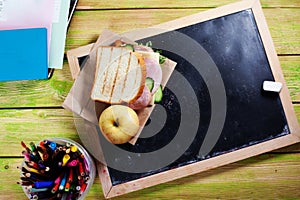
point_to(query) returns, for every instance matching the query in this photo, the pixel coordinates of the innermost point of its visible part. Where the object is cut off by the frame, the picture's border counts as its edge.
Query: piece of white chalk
(272, 86)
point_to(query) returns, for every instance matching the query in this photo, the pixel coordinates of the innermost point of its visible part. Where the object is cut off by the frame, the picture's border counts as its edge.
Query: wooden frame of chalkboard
(111, 190)
(73, 57)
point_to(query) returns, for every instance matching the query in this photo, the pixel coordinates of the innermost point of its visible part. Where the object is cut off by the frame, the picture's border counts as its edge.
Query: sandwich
(127, 74)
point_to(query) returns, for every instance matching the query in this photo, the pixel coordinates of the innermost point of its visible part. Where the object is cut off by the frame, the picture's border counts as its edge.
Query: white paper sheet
(59, 33)
(2, 11)
(21, 14)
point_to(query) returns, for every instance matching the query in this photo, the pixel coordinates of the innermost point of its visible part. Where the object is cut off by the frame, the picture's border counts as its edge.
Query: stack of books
(32, 37)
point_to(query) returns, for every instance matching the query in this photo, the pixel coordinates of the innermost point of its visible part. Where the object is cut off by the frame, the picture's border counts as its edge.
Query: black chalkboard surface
(252, 115)
(214, 110)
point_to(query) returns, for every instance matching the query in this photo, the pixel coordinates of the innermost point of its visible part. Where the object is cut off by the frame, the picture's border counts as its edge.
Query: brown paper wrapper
(79, 98)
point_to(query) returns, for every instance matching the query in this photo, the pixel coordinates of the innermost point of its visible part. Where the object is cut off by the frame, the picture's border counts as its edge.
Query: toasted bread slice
(120, 75)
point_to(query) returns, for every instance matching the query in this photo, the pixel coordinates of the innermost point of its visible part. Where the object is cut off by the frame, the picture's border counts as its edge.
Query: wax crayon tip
(68, 150)
(72, 163)
(32, 145)
(65, 159)
(82, 189)
(52, 145)
(23, 144)
(42, 143)
(67, 187)
(25, 147)
(73, 148)
(55, 188)
(45, 156)
(81, 170)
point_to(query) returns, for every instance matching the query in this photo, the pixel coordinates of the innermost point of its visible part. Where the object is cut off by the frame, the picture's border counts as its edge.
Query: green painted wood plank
(291, 71)
(33, 125)
(87, 25)
(268, 176)
(115, 4)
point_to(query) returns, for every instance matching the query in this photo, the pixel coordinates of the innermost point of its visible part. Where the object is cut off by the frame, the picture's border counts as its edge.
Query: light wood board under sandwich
(106, 38)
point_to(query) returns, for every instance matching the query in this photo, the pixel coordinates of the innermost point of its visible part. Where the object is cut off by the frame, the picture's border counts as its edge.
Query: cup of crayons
(57, 168)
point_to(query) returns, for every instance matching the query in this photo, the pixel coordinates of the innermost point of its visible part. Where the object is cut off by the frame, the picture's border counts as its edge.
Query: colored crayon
(54, 170)
(35, 190)
(43, 184)
(63, 182)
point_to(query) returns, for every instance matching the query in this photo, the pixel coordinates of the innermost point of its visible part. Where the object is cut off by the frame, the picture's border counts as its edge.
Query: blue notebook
(23, 54)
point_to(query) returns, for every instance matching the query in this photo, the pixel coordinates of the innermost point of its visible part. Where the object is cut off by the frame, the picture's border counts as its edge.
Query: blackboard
(214, 110)
(240, 57)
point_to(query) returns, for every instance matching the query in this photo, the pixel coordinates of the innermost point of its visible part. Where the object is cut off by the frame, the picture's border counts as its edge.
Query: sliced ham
(153, 68)
(143, 100)
(142, 48)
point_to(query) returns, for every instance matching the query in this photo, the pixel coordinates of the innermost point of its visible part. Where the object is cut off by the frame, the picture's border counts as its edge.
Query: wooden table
(31, 110)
